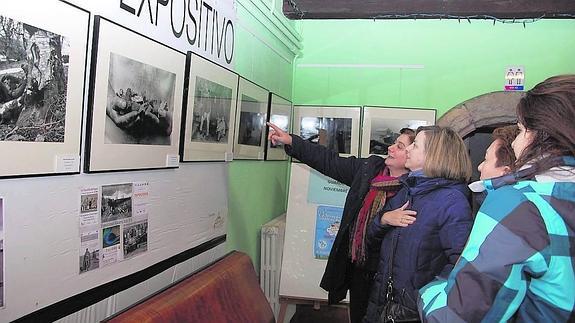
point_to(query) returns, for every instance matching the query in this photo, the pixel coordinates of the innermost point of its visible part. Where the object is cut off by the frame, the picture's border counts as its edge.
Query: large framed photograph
(382, 125)
(209, 116)
(251, 116)
(42, 72)
(136, 92)
(280, 114)
(336, 128)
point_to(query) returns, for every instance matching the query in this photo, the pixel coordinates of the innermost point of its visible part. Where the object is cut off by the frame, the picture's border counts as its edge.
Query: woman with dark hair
(519, 262)
(372, 181)
(423, 228)
(499, 160)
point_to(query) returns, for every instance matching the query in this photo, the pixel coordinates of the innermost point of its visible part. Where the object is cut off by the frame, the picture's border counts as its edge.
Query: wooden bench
(225, 291)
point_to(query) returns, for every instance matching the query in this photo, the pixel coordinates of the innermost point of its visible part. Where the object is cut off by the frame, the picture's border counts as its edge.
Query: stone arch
(486, 110)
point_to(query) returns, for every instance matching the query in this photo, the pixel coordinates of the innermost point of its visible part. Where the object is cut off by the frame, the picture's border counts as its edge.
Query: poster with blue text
(325, 190)
(326, 227)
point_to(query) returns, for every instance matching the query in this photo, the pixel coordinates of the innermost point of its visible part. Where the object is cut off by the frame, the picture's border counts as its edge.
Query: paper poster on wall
(116, 203)
(89, 207)
(135, 238)
(1, 253)
(111, 248)
(325, 190)
(328, 219)
(113, 224)
(89, 251)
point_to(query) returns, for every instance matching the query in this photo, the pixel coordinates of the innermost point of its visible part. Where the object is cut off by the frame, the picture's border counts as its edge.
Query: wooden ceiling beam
(367, 9)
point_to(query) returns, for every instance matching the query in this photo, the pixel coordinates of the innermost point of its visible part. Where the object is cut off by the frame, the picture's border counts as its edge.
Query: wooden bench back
(226, 291)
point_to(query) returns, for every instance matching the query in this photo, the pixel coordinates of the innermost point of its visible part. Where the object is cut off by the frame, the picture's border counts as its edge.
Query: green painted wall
(265, 51)
(461, 60)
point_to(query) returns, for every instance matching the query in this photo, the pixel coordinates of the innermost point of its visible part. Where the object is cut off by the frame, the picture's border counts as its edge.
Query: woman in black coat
(372, 181)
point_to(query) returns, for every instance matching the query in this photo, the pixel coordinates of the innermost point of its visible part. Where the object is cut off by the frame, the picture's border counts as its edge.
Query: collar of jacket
(524, 173)
(421, 185)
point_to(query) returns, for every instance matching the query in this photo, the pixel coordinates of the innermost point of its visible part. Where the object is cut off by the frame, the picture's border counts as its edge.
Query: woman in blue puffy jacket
(425, 225)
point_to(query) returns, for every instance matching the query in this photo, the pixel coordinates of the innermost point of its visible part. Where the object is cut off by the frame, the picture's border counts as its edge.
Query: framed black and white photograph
(42, 72)
(382, 126)
(136, 93)
(251, 116)
(336, 128)
(280, 114)
(210, 111)
(116, 202)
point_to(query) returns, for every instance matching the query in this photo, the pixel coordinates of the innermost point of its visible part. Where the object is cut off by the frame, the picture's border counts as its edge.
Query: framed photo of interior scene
(209, 116)
(279, 113)
(336, 128)
(42, 72)
(135, 101)
(382, 126)
(252, 107)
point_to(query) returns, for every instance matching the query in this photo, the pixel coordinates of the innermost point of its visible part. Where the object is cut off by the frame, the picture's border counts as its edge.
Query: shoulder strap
(389, 291)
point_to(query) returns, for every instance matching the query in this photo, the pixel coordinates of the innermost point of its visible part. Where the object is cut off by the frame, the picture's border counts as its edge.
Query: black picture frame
(381, 126)
(280, 113)
(251, 115)
(135, 101)
(208, 120)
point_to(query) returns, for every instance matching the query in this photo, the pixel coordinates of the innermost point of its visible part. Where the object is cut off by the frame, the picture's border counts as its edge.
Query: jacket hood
(526, 173)
(422, 185)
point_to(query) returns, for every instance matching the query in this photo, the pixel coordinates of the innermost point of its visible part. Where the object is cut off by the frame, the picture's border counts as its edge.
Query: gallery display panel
(209, 116)
(251, 116)
(280, 113)
(135, 101)
(381, 126)
(337, 128)
(42, 70)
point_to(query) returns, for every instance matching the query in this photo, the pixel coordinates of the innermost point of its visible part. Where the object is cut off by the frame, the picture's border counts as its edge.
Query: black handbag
(393, 311)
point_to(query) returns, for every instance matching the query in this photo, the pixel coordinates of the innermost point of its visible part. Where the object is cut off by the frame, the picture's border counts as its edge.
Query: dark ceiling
(398, 9)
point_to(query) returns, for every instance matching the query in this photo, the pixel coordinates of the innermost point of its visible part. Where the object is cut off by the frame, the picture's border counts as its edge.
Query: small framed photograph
(251, 116)
(381, 126)
(336, 128)
(209, 116)
(280, 114)
(42, 72)
(135, 101)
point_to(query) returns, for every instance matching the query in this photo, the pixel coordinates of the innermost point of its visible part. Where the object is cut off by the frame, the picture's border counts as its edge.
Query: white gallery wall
(41, 214)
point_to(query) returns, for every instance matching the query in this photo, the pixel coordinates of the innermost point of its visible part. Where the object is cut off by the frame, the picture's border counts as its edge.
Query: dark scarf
(383, 186)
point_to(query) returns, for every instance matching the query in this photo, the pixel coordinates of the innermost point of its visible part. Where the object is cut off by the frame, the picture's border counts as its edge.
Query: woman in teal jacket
(519, 262)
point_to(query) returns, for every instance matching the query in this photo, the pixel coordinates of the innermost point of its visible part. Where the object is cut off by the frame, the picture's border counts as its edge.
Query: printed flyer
(326, 227)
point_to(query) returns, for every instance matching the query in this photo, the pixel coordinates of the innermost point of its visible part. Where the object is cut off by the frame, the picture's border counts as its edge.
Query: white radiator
(272, 243)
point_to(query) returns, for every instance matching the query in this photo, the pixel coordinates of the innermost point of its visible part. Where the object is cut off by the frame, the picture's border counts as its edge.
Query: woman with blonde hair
(519, 263)
(424, 227)
(372, 182)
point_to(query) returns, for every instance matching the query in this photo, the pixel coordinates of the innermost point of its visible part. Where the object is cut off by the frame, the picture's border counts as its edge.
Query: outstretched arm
(320, 158)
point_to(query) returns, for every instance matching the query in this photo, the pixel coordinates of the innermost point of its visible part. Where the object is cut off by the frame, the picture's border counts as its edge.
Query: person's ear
(506, 169)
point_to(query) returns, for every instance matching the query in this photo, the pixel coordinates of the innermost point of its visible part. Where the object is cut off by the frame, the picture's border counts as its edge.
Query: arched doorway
(476, 118)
